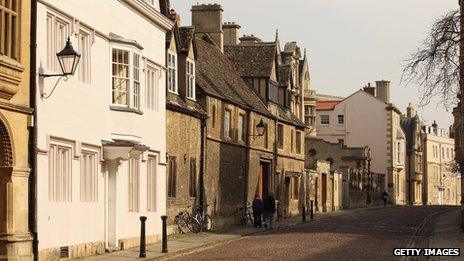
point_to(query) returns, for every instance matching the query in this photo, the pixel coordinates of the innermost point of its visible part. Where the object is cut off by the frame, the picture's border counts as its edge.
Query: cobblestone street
(366, 235)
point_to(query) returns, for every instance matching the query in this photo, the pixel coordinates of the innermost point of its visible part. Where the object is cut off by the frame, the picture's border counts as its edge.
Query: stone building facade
(414, 156)
(239, 161)
(276, 76)
(185, 124)
(15, 118)
(441, 183)
(360, 186)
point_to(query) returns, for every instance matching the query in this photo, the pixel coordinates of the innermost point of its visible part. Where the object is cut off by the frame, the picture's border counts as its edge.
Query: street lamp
(68, 59)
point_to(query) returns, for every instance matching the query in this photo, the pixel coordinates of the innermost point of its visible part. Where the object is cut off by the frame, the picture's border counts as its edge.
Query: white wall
(81, 113)
(365, 124)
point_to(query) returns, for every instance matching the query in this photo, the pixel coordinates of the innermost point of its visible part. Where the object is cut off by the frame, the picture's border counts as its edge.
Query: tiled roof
(326, 105)
(216, 76)
(252, 60)
(186, 34)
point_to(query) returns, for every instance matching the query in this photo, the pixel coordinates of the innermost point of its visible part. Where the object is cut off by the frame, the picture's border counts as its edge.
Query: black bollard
(304, 213)
(143, 251)
(312, 209)
(165, 235)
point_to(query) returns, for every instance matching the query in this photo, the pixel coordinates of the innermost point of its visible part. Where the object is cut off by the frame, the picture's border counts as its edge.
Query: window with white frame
(57, 33)
(240, 128)
(172, 72)
(134, 184)
(325, 120)
(121, 78)
(151, 183)
(136, 81)
(60, 178)
(227, 123)
(89, 177)
(151, 90)
(341, 119)
(84, 63)
(125, 78)
(190, 79)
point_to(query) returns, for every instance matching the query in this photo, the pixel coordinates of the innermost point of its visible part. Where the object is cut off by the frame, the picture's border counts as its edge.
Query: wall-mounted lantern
(68, 59)
(261, 128)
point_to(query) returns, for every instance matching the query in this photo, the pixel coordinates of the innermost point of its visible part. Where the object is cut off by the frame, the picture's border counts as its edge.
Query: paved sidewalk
(179, 244)
(447, 233)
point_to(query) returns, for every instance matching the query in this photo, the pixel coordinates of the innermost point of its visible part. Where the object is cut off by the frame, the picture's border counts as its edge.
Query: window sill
(191, 99)
(125, 109)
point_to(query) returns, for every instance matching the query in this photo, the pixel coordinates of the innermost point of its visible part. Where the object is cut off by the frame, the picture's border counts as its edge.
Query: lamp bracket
(45, 95)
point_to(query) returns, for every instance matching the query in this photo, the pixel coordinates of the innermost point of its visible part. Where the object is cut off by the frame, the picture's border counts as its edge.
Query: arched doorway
(6, 185)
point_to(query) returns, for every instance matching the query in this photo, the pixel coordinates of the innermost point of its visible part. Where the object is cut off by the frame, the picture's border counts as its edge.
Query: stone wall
(184, 143)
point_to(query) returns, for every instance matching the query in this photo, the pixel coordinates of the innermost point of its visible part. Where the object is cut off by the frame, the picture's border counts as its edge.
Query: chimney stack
(369, 89)
(231, 32)
(410, 111)
(207, 18)
(249, 39)
(383, 90)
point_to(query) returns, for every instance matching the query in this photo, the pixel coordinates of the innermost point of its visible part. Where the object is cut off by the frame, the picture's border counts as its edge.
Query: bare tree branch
(434, 66)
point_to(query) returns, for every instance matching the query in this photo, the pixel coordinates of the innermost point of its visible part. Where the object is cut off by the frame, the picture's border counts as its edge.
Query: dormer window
(190, 79)
(172, 72)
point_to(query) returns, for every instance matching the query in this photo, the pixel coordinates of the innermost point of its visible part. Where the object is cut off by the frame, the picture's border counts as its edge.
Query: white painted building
(367, 119)
(101, 134)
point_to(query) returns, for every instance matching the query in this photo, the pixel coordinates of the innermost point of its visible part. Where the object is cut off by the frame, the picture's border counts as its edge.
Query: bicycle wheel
(249, 219)
(183, 226)
(207, 223)
(193, 224)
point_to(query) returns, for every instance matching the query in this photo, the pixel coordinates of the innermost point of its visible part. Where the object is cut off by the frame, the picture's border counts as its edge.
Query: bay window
(125, 78)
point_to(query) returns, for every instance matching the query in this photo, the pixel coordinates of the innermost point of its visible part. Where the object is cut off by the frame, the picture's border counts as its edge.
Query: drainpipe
(202, 162)
(33, 132)
(282, 181)
(247, 161)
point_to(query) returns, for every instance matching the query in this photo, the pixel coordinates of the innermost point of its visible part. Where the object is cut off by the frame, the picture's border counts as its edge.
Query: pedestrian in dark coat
(269, 208)
(257, 207)
(384, 198)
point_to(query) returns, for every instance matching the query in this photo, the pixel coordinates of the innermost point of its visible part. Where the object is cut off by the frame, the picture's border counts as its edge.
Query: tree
(434, 66)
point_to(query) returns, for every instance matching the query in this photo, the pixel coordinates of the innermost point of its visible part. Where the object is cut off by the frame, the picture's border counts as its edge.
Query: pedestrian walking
(269, 208)
(257, 207)
(384, 198)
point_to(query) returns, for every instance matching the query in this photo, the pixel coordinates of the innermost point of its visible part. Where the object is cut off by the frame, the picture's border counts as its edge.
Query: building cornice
(150, 13)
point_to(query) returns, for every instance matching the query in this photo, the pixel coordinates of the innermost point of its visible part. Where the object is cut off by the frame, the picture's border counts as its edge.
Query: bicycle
(246, 217)
(185, 220)
(180, 221)
(205, 220)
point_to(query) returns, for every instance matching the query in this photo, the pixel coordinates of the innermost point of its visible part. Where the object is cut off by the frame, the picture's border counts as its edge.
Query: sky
(349, 42)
